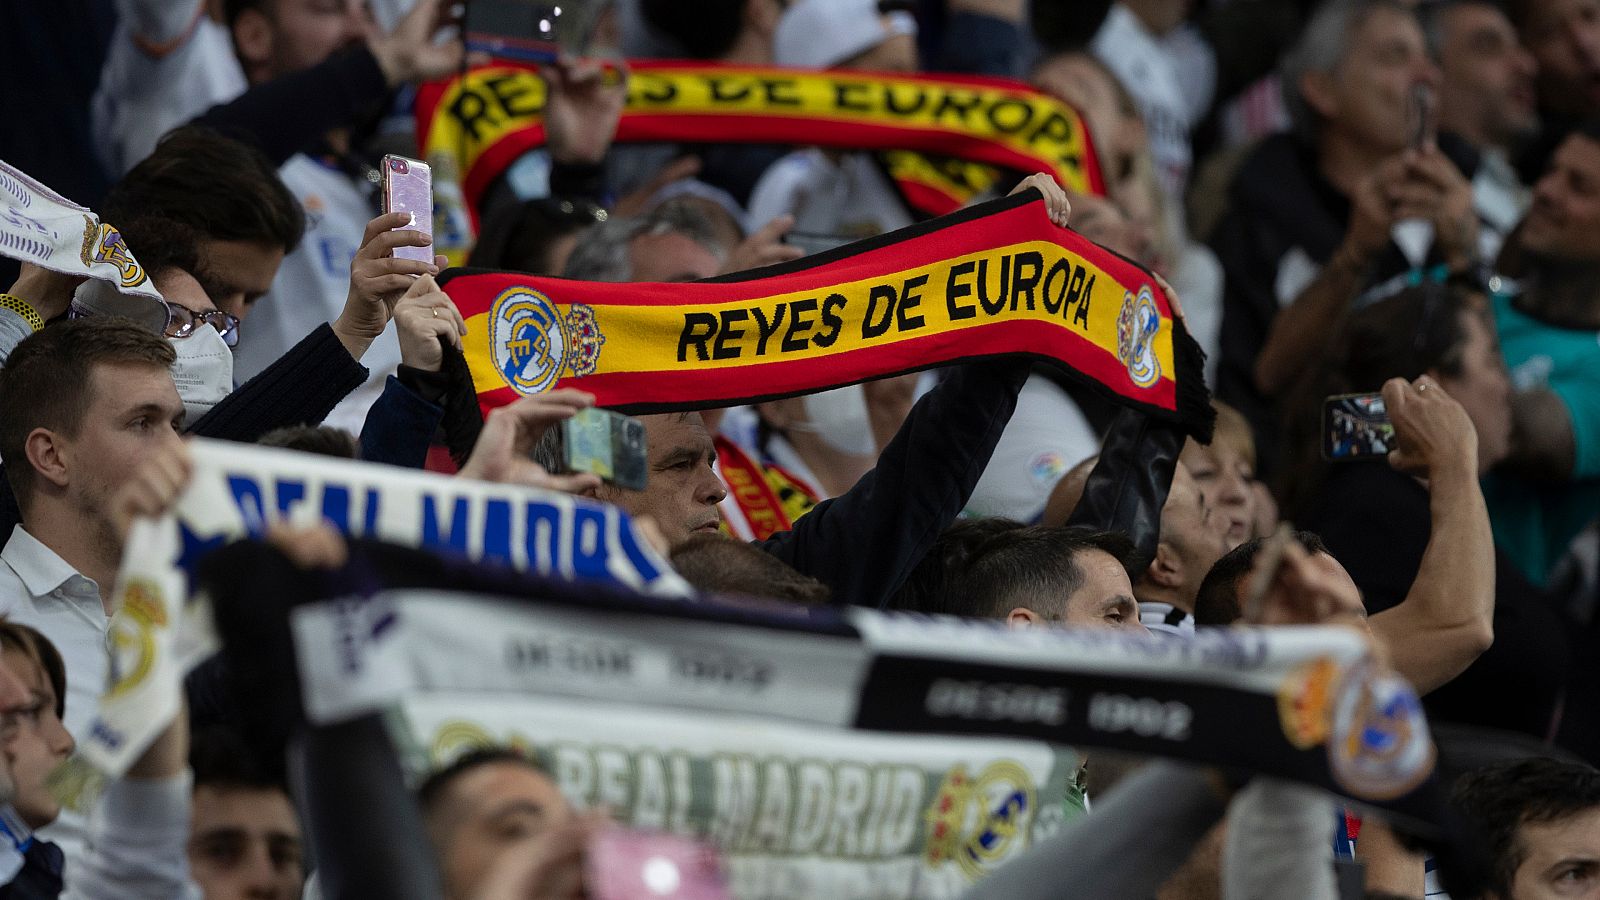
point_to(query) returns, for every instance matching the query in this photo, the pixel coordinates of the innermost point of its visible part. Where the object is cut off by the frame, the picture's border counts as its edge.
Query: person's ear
(1023, 617)
(49, 456)
(1318, 90)
(252, 38)
(1166, 570)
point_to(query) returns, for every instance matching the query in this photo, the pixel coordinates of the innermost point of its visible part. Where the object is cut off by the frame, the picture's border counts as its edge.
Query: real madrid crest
(1137, 326)
(534, 345)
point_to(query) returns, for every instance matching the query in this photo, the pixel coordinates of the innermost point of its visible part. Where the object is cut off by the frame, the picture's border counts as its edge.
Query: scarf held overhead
(997, 279)
(485, 119)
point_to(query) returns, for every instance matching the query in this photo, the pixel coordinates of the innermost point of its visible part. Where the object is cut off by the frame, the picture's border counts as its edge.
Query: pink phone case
(408, 188)
(624, 864)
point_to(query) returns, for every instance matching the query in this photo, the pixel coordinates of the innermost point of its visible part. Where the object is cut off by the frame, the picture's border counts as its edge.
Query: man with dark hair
(82, 403)
(229, 194)
(1564, 38)
(1541, 821)
(1223, 587)
(717, 564)
(1031, 575)
(483, 805)
(245, 839)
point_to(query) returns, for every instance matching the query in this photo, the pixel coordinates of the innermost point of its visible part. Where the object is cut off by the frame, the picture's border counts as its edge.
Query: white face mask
(203, 371)
(840, 418)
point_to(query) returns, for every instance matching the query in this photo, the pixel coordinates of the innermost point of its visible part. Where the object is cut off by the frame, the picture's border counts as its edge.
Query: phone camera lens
(398, 166)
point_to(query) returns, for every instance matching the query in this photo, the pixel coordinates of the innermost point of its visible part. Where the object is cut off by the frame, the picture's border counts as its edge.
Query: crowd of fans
(1348, 196)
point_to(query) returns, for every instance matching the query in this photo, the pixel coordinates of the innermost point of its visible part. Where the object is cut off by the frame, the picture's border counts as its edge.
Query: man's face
(1564, 221)
(491, 808)
(1564, 37)
(303, 33)
(682, 491)
(1562, 860)
(244, 844)
(1486, 93)
(236, 273)
(671, 257)
(133, 412)
(1367, 96)
(1105, 600)
(1190, 531)
(37, 745)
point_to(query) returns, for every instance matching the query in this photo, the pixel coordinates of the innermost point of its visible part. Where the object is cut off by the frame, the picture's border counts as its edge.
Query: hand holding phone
(408, 188)
(625, 864)
(606, 444)
(1356, 427)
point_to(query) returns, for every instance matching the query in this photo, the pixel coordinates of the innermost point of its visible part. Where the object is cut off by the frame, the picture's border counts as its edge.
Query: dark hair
(1218, 600)
(221, 188)
(430, 794)
(1414, 331)
(222, 758)
(718, 564)
(1502, 798)
(160, 244)
(323, 440)
(45, 382)
(232, 9)
(520, 236)
(981, 566)
(27, 641)
(705, 29)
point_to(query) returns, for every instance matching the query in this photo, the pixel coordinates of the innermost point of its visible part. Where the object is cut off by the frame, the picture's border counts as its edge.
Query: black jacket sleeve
(864, 543)
(301, 388)
(1129, 484)
(292, 114)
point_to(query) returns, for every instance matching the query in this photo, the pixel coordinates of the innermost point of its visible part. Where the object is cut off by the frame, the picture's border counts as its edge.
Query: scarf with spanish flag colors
(997, 279)
(942, 135)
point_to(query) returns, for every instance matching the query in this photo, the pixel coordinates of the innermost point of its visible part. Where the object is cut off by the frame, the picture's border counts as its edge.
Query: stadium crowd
(1392, 197)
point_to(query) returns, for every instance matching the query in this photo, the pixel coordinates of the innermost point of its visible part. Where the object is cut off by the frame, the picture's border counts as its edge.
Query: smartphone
(408, 188)
(625, 864)
(1356, 426)
(535, 31)
(607, 444)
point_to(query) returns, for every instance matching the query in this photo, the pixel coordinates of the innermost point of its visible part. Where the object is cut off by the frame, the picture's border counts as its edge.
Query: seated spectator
(1384, 523)
(1486, 99)
(1225, 470)
(1549, 486)
(1312, 212)
(534, 236)
(245, 841)
(1190, 543)
(672, 243)
(717, 564)
(1541, 821)
(1033, 575)
(1564, 38)
(485, 807)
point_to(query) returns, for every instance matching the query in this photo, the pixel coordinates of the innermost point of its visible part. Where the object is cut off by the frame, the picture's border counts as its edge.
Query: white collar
(39, 568)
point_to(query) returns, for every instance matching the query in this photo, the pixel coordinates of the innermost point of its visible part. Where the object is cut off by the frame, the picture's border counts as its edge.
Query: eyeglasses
(181, 321)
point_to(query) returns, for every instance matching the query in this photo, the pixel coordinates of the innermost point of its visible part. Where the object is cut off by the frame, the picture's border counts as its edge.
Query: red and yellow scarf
(942, 135)
(997, 279)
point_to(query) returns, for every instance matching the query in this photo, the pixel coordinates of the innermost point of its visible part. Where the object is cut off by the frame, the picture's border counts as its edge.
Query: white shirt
(143, 96)
(1500, 199)
(39, 589)
(1047, 435)
(312, 284)
(138, 843)
(845, 200)
(1164, 618)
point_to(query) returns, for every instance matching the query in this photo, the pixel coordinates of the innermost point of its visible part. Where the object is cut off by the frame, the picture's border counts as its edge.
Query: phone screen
(1356, 426)
(408, 188)
(624, 864)
(607, 444)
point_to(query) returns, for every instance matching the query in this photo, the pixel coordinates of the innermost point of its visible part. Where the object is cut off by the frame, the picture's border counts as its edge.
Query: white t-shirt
(847, 200)
(312, 285)
(1047, 435)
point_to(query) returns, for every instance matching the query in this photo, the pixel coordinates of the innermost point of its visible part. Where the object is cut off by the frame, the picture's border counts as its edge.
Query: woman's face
(1483, 388)
(37, 745)
(1226, 478)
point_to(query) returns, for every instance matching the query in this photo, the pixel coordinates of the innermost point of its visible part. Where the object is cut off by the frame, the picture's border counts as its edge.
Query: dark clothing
(864, 543)
(1128, 486)
(293, 113)
(40, 876)
(1376, 522)
(400, 425)
(1280, 206)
